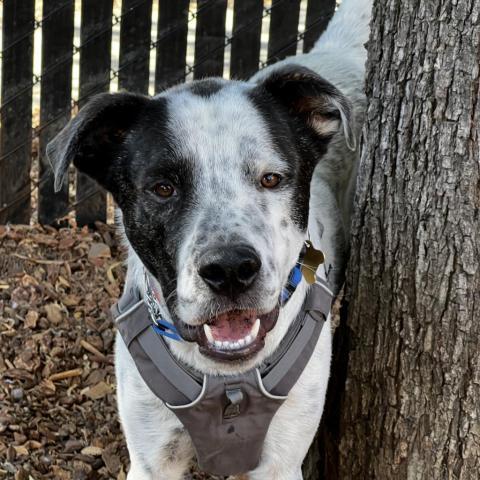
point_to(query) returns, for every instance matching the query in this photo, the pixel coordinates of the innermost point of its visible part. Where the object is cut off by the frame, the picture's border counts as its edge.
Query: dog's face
(213, 182)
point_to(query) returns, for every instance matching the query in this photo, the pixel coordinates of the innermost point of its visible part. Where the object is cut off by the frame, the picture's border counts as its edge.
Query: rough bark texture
(411, 406)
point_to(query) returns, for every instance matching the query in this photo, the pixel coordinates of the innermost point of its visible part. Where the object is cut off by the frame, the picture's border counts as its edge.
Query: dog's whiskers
(172, 294)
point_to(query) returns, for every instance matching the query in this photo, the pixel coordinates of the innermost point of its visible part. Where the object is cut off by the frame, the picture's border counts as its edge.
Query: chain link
(36, 25)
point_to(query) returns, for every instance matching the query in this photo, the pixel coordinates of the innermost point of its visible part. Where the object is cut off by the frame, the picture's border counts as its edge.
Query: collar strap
(293, 281)
(160, 325)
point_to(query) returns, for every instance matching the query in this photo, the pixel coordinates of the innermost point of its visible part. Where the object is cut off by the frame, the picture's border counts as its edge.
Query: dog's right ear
(311, 98)
(95, 136)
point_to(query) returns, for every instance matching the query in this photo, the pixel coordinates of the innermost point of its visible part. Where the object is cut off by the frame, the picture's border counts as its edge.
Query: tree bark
(411, 404)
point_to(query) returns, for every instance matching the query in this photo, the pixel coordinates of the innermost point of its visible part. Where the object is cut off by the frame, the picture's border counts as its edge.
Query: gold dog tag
(312, 259)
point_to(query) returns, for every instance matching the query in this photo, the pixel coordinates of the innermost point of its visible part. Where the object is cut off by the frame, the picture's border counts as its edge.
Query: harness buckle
(235, 397)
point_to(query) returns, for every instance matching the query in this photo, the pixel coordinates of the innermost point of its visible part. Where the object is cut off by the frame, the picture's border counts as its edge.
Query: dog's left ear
(308, 96)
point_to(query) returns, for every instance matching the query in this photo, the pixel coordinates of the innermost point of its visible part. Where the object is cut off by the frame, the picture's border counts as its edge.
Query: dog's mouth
(236, 334)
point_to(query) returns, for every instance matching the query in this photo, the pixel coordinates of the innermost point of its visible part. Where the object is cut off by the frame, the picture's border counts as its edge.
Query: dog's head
(213, 181)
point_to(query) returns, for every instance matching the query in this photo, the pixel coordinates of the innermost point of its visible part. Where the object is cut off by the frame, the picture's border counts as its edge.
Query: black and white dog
(219, 183)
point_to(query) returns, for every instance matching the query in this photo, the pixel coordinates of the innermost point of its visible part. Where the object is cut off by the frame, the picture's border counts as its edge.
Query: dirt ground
(58, 415)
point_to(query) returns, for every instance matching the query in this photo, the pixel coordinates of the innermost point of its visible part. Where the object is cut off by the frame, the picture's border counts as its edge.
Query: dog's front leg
(294, 425)
(159, 446)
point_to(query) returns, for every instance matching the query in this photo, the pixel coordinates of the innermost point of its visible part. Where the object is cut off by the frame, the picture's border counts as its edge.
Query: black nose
(229, 270)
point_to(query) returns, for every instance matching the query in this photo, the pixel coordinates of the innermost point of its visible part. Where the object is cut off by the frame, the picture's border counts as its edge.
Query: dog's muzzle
(234, 334)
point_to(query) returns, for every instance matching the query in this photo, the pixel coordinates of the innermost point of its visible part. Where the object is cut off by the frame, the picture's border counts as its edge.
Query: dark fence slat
(94, 78)
(283, 29)
(172, 43)
(319, 13)
(135, 37)
(55, 98)
(247, 29)
(16, 116)
(210, 38)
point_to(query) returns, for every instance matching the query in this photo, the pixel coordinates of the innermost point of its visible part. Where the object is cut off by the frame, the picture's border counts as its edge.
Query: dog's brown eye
(271, 180)
(164, 189)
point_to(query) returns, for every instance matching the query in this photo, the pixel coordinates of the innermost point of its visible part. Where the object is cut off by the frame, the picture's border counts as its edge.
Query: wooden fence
(18, 187)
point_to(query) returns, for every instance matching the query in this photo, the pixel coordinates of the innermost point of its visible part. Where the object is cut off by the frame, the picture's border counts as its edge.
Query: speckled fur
(341, 61)
(226, 136)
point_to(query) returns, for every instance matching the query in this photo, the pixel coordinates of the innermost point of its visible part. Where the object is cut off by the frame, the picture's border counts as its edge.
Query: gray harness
(227, 417)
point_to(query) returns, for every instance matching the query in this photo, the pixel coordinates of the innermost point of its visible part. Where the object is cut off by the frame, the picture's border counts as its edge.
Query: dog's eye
(271, 180)
(163, 189)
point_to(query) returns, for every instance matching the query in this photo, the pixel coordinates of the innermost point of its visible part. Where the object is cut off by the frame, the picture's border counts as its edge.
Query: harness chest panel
(227, 417)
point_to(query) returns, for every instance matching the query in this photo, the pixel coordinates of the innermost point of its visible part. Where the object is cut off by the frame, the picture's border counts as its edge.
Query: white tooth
(242, 342)
(255, 329)
(235, 345)
(218, 344)
(248, 339)
(226, 345)
(208, 333)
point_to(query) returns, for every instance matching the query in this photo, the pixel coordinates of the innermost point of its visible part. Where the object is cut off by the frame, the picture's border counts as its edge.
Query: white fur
(214, 135)
(149, 426)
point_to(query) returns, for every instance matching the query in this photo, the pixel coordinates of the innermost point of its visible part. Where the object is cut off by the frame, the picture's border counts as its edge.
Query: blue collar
(159, 324)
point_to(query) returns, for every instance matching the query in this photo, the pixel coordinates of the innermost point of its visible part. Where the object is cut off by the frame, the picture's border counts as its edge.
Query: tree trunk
(411, 404)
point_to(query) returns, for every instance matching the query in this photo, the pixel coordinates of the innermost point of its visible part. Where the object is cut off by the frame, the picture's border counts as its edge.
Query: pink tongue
(232, 325)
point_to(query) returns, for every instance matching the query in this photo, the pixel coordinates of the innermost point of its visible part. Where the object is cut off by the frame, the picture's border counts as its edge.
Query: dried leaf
(121, 475)
(54, 313)
(92, 450)
(112, 461)
(21, 449)
(31, 319)
(97, 391)
(99, 250)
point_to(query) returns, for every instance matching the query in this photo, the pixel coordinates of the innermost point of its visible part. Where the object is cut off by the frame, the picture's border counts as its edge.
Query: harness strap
(321, 299)
(285, 366)
(283, 376)
(164, 375)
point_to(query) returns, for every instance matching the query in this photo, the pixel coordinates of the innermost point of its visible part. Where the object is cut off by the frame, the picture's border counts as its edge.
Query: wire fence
(162, 42)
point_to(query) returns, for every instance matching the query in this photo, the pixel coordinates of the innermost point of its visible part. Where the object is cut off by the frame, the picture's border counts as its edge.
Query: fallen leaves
(58, 411)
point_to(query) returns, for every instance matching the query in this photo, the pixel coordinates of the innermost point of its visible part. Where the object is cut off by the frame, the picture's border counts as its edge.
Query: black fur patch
(288, 100)
(153, 224)
(297, 145)
(206, 88)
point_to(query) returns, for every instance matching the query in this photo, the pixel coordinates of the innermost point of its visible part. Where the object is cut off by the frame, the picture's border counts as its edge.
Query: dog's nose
(229, 270)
